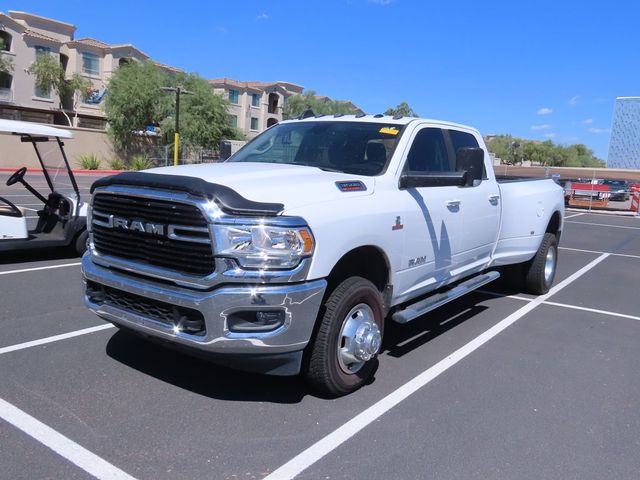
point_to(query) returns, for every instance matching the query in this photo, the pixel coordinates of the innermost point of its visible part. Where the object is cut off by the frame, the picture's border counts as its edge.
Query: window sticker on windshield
(389, 130)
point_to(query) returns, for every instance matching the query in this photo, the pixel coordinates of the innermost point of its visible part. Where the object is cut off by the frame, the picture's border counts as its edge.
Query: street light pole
(176, 135)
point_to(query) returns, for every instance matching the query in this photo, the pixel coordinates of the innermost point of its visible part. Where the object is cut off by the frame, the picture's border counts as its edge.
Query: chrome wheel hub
(550, 266)
(360, 338)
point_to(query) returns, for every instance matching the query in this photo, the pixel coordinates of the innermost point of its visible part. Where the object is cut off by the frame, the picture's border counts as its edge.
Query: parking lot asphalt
(495, 385)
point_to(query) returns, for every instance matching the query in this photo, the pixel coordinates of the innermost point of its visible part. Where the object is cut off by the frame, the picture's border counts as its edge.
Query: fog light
(252, 321)
(95, 293)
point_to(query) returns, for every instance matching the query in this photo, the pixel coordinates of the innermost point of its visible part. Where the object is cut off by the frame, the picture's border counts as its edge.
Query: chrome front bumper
(300, 303)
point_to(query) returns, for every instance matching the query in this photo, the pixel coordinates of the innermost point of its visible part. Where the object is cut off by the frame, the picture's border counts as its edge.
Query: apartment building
(24, 36)
(254, 106)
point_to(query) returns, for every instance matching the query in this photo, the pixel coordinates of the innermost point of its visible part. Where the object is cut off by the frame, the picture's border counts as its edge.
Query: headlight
(263, 246)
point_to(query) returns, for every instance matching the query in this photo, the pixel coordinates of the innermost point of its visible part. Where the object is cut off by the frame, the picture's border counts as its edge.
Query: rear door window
(464, 140)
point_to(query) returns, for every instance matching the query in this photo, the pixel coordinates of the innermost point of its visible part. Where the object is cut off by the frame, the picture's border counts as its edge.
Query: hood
(292, 185)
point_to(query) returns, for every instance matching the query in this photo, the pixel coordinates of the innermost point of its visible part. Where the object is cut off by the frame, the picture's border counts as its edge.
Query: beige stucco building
(24, 36)
(254, 106)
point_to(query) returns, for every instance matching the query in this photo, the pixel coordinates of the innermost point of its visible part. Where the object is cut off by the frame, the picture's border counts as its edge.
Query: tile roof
(251, 85)
(92, 42)
(168, 67)
(40, 36)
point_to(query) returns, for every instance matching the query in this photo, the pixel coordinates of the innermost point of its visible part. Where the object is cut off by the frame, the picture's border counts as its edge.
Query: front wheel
(342, 357)
(540, 271)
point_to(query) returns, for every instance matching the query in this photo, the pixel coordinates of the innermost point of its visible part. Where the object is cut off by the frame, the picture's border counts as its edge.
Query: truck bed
(526, 205)
(513, 179)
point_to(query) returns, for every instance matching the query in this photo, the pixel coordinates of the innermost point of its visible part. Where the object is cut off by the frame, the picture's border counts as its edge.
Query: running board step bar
(421, 307)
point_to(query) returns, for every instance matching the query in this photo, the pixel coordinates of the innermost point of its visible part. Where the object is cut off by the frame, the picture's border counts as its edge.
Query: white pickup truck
(291, 256)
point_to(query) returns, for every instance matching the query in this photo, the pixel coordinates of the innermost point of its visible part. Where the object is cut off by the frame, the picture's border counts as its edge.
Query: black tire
(80, 243)
(325, 372)
(540, 271)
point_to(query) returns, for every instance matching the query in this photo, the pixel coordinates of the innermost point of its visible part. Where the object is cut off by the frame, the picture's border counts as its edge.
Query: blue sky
(538, 70)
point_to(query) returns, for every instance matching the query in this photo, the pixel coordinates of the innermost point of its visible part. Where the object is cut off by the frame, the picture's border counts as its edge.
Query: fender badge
(398, 225)
(351, 186)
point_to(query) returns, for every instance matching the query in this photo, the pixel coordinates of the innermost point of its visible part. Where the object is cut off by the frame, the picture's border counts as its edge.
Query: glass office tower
(624, 146)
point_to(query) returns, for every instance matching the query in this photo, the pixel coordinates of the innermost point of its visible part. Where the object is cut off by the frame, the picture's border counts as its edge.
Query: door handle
(453, 203)
(493, 199)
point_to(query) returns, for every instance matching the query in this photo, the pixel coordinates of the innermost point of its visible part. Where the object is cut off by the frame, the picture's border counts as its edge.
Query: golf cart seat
(56, 209)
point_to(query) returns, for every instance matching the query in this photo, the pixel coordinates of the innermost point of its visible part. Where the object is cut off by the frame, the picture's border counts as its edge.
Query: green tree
(49, 75)
(203, 115)
(135, 101)
(546, 153)
(298, 104)
(506, 148)
(402, 109)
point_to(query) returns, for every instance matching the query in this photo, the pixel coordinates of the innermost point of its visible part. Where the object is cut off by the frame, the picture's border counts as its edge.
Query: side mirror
(470, 160)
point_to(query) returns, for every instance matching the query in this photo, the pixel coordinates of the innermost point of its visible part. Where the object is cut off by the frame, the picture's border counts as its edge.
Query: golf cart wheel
(540, 271)
(342, 357)
(81, 242)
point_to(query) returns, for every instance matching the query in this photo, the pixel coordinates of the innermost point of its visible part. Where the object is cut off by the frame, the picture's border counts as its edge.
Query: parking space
(495, 385)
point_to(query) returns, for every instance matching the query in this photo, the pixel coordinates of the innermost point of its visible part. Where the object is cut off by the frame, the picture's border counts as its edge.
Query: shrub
(140, 162)
(90, 161)
(116, 164)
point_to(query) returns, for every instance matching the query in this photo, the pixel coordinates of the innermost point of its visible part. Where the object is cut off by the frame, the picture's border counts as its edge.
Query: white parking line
(63, 446)
(503, 295)
(605, 225)
(574, 215)
(54, 338)
(599, 253)
(336, 438)
(593, 310)
(34, 269)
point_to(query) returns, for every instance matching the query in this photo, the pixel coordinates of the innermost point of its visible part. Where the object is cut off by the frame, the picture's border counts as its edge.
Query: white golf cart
(62, 219)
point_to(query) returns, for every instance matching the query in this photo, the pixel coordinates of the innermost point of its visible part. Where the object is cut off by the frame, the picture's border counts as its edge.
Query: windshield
(53, 162)
(360, 148)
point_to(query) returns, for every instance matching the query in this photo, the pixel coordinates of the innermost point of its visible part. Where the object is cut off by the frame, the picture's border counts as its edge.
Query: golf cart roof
(35, 129)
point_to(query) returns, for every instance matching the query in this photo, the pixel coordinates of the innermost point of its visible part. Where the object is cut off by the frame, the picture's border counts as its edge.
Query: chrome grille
(187, 249)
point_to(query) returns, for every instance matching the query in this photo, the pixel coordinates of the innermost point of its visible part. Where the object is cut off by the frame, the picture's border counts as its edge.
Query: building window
(232, 120)
(234, 97)
(5, 80)
(40, 92)
(255, 99)
(254, 123)
(5, 41)
(90, 64)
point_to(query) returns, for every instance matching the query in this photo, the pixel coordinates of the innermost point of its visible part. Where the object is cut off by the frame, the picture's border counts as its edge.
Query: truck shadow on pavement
(402, 339)
(214, 381)
(200, 376)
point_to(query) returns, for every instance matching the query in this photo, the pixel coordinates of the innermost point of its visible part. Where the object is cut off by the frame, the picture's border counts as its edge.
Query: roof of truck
(35, 129)
(378, 119)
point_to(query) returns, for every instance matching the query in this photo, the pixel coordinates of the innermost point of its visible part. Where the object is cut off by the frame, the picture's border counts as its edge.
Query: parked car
(293, 255)
(619, 189)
